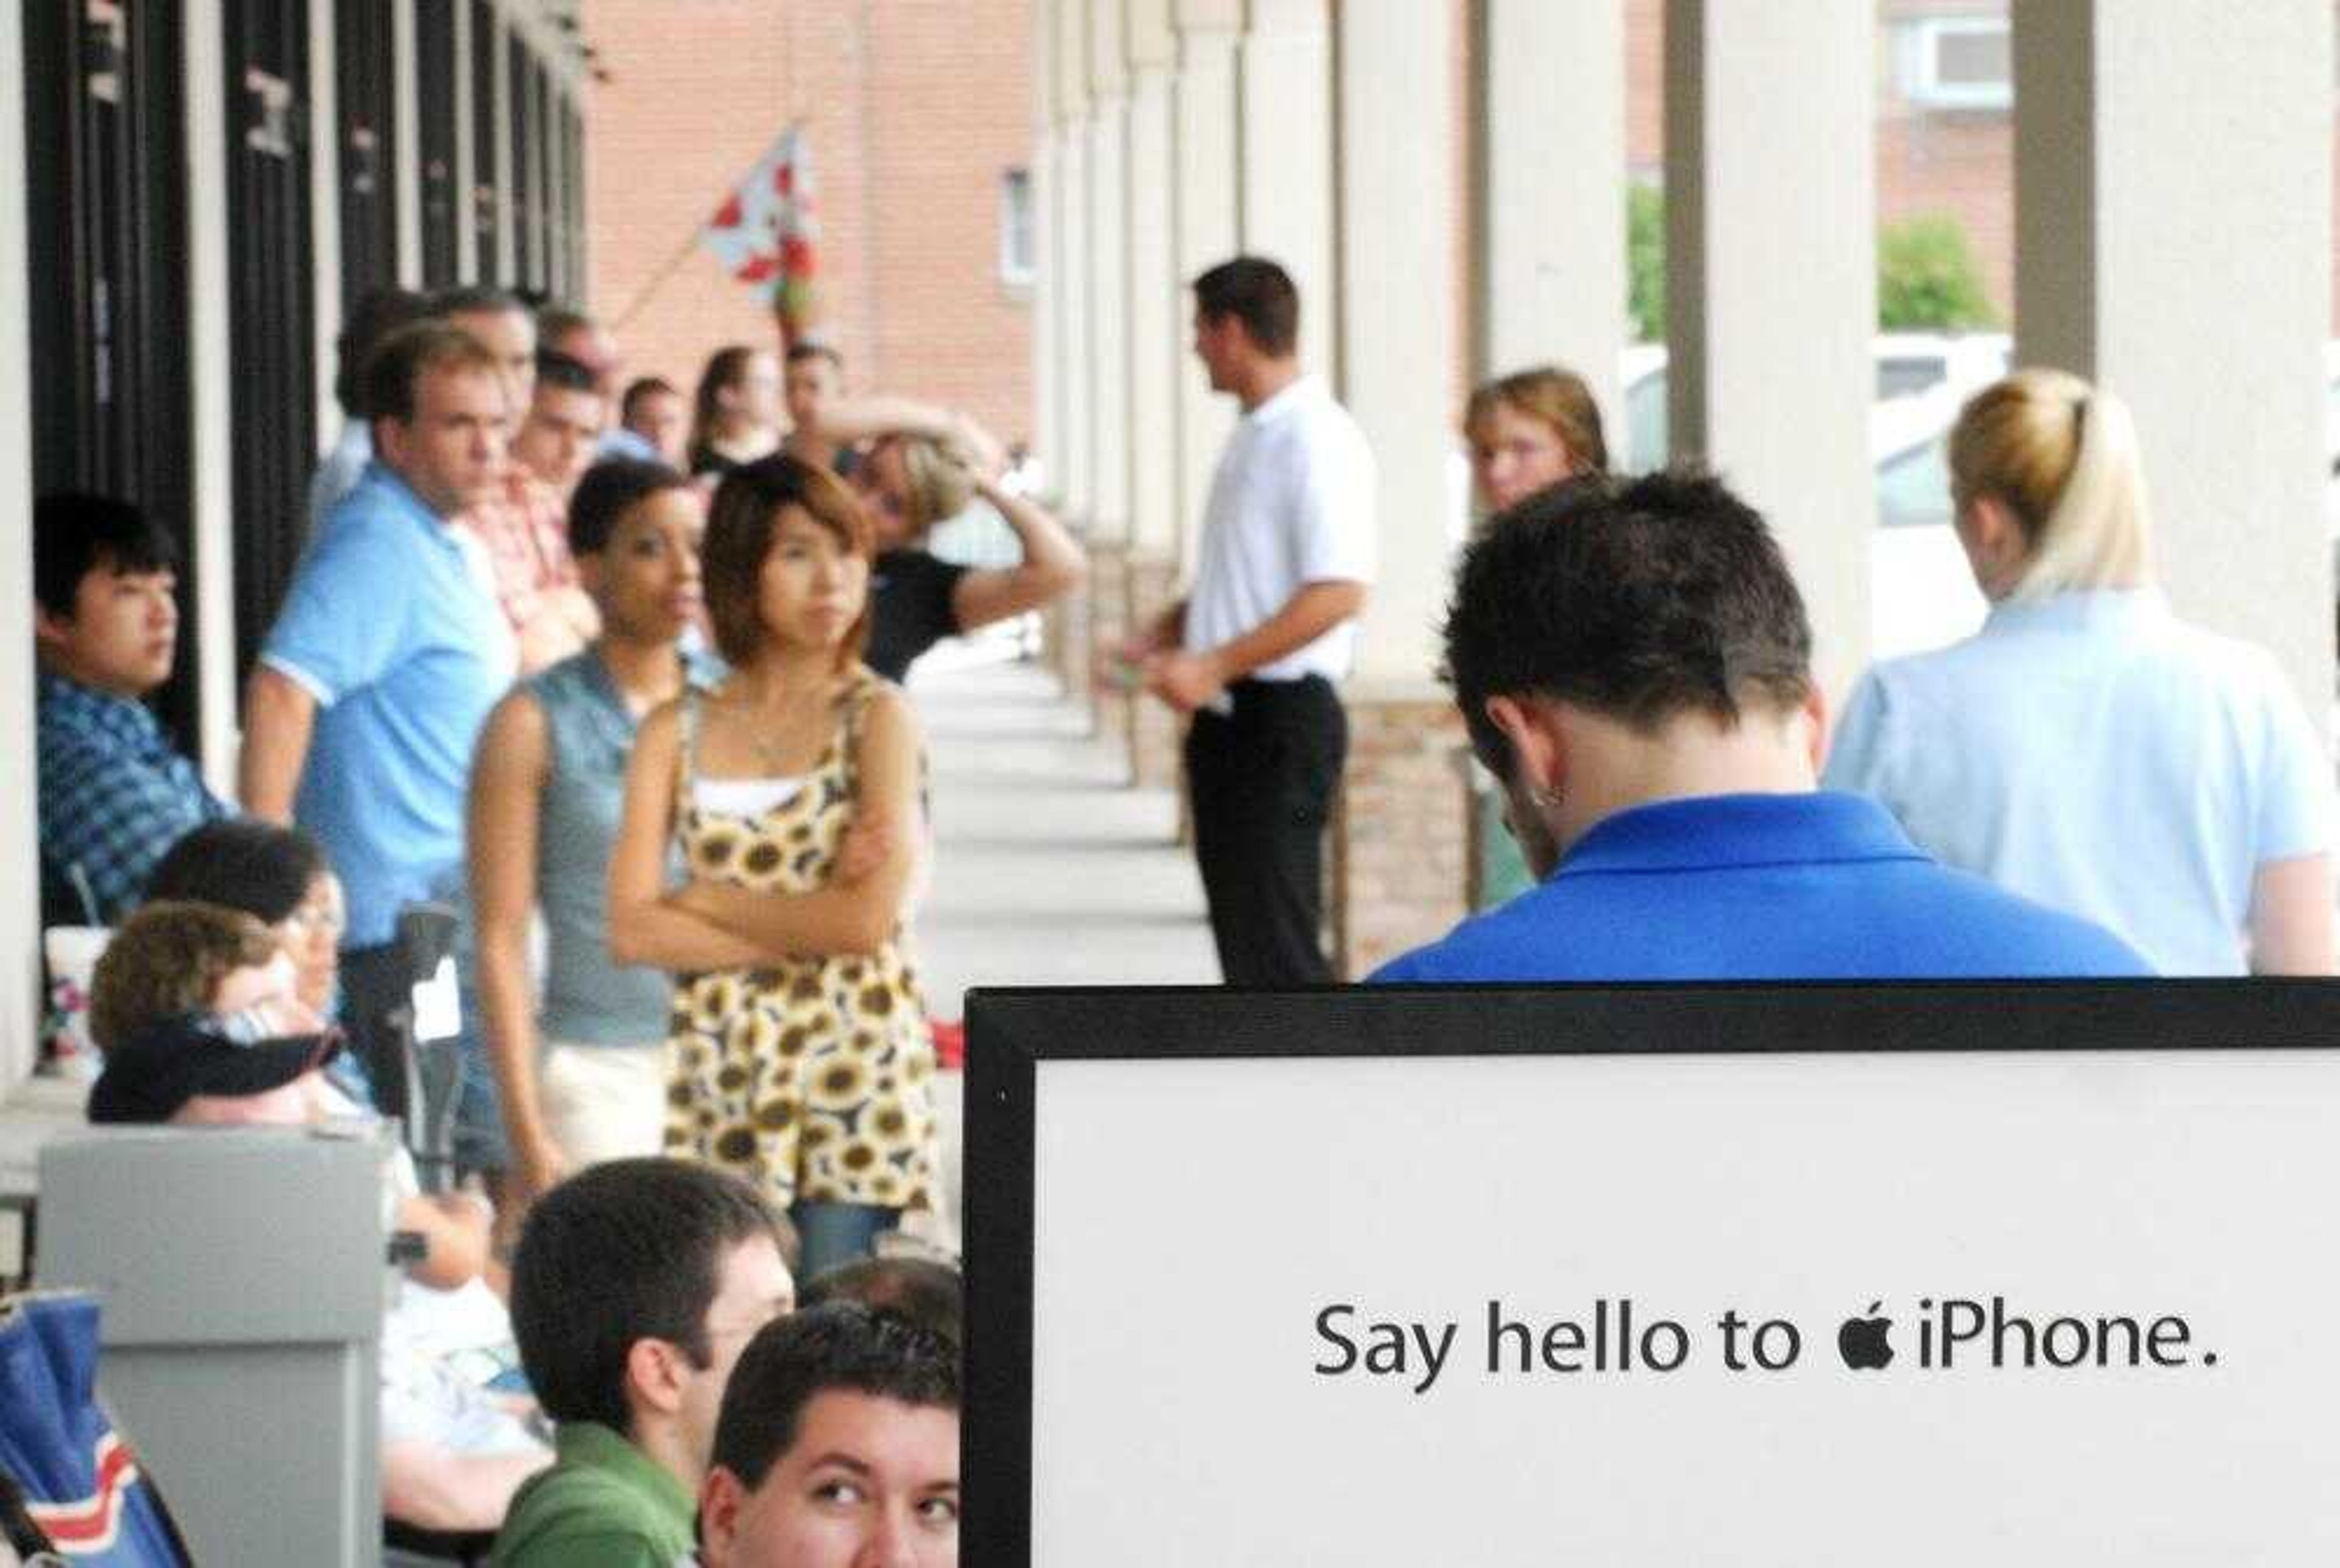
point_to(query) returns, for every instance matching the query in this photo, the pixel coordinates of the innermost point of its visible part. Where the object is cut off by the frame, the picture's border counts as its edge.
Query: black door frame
(106, 228)
(271, 301)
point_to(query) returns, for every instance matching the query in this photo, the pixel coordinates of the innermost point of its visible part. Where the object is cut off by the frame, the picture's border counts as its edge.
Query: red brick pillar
(1110, 626)
(1400, 859)
(1154, 732)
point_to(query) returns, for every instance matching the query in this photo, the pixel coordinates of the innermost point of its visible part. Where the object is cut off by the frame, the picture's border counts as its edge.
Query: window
(1958, 63)
(1913, 487)
(1016, 243)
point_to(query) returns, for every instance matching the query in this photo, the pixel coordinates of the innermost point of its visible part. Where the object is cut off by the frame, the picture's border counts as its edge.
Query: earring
(1547, 797)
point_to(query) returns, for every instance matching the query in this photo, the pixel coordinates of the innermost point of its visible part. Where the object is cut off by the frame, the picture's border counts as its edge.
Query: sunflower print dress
(812, 1078)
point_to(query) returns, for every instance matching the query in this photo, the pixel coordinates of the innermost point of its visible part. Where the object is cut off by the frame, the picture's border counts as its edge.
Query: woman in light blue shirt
(2086, 748)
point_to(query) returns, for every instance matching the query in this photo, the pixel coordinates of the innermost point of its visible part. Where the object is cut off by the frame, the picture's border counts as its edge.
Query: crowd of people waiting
(531, 669)
(626, 662)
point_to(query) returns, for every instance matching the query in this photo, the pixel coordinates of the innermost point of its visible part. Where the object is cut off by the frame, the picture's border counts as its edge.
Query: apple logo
(1862, 1343)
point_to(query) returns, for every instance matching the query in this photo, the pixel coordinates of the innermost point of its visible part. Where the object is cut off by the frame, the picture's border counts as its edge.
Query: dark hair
(627, 1250)
(75, 533)
(565, 373)
(558, 321)
(401, 360)
(642, 387)
(378, 313)
(1258, 294)
(842, 1346)
(241, 863)
(1637, 599)
(930, 1295)
(811, 350)
(607, 492)
(477, 300)
(727, 367)
(740, 524)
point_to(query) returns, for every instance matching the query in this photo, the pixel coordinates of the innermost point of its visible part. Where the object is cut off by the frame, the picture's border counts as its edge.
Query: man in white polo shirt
(1252, 654)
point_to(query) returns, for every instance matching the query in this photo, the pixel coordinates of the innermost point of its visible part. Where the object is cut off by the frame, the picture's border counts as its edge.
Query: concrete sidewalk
(1049, 868)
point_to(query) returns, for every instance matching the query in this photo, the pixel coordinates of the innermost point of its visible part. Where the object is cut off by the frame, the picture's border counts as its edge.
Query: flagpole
(664, 274)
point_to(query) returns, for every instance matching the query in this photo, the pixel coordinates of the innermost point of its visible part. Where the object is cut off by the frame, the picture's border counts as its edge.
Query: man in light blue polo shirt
(388, 653)
(1633, 663)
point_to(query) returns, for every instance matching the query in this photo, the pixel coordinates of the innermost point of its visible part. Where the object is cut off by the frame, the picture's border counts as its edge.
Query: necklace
(769, 731)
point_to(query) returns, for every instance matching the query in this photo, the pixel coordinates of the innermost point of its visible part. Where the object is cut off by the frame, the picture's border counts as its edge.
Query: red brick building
(919, 118)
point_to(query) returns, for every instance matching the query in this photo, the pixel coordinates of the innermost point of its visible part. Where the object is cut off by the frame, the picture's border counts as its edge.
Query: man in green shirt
(636, 1286)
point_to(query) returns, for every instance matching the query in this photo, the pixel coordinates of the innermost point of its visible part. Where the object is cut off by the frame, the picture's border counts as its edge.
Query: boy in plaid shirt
(114, 794)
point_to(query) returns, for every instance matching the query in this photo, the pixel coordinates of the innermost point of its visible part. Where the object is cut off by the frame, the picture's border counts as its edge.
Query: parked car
(1921, 594)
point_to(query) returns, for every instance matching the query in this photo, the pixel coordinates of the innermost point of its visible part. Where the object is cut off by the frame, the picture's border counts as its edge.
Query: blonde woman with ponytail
(2086, 748)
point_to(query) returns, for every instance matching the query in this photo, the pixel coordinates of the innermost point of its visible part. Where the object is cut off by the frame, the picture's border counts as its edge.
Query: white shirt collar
(1303, 389)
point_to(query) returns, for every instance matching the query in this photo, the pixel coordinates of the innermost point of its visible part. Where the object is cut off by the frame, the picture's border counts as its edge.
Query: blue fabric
(2093, 752)
(394, 634)
(82, 1484)
(832, 1232)
(1761, 887)
(618, 442)
(114, 798)
(588, 999)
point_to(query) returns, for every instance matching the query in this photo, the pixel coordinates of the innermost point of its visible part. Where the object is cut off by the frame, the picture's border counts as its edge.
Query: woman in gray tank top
(581, 1080)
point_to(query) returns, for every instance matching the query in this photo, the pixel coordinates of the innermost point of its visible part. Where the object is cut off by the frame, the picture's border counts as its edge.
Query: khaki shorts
(604, 1102)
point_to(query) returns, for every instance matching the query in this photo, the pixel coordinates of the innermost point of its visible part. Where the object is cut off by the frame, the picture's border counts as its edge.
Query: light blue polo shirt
(390, 627)
(2092, 751)
(1802, 887)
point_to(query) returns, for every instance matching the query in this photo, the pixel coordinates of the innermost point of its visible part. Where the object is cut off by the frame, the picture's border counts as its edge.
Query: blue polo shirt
(395, 634)
(1810, 886)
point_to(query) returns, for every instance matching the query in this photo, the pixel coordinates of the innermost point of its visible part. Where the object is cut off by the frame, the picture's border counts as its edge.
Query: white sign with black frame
(1809, 1275)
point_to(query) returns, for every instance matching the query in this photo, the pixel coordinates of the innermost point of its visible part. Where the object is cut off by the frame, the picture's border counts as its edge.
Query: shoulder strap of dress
(853, 706)
(686, 758)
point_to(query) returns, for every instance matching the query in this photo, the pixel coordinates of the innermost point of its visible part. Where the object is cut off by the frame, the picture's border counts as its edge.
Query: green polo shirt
(604, 1503)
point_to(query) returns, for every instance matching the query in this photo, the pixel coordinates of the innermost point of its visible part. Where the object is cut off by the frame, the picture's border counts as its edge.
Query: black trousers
(1263, 779)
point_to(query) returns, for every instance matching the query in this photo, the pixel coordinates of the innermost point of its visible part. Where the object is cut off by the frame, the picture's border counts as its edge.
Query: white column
(2174, 243)
(1209, 223)
(1071, 256)
(1397, 318)
(1157, 305)
(1551, 228)
(210, 372)
(1771, 286)
(20, 915)
(469, 157)
(1288, 154)
(325, 136)
(1108, 242)
(499, 45)
(407, 176)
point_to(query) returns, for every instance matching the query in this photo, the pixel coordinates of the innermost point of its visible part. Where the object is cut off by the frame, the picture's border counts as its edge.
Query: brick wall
(914, 109)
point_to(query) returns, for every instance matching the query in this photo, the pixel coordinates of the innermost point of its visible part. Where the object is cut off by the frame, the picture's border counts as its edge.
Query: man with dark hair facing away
(837, 1447)
(1633, 664)
(636, 1287)
(114, 795)
(1254, 650)
(929, 1293)
(377, 314)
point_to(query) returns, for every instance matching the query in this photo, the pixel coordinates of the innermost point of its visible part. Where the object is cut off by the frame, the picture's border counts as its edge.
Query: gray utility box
(241, 1275)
